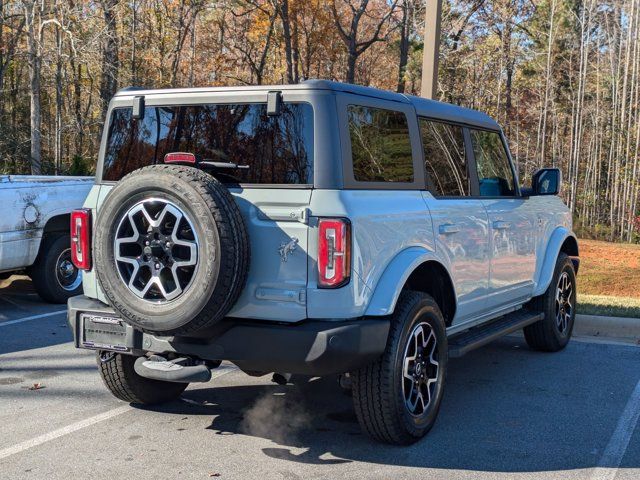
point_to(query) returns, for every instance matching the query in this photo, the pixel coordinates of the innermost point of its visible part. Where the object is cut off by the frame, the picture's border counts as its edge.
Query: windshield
(276, 149)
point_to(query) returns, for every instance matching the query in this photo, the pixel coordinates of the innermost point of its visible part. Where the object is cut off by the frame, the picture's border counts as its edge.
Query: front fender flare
(546, 269)
(389, 286)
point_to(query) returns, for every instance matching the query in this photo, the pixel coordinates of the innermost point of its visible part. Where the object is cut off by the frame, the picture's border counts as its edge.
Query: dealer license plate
(106, 333)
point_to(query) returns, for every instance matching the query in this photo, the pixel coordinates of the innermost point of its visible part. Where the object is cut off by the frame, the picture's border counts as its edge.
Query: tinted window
(444, 157)
(277, 149)
(494, 169)
(380, 145)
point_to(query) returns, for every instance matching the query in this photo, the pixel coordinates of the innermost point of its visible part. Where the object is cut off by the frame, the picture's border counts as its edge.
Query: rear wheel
(54, 276)
(123, 382)
(397, 397)
(558, 304)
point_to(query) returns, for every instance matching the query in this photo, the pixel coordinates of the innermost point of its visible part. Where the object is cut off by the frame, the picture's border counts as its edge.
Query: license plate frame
(103, 332)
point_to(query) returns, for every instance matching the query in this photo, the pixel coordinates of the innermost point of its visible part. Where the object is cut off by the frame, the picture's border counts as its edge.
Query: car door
(460, 222)
(512, 235)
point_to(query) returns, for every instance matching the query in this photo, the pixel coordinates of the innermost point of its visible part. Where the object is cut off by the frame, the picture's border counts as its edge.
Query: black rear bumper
(312, 347)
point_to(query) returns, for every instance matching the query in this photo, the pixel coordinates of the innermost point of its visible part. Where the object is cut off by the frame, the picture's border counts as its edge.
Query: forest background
(561, 76)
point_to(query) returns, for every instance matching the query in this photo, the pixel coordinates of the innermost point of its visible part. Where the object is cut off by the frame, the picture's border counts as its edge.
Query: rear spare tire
(171, 249)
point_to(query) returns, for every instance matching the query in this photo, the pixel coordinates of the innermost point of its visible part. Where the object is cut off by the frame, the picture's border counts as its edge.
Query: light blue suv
(313, 229)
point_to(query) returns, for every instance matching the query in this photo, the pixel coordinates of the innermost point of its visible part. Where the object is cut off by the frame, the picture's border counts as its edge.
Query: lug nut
(157, 266)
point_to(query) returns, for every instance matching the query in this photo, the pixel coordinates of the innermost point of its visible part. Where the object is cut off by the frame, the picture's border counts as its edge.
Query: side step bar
(476, 337)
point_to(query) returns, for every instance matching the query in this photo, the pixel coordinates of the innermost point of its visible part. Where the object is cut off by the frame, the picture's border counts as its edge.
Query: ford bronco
(313, 229)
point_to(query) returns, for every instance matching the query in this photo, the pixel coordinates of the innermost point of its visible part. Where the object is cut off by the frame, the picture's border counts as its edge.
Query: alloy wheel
(564, 302)
(156, 250)
(420, 369)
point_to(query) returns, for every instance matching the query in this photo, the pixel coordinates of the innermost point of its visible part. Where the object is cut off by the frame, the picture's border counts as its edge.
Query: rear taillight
(81, 238)
(334, 252)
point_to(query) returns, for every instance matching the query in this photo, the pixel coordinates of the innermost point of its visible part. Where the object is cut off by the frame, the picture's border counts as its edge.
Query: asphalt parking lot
(508, 413)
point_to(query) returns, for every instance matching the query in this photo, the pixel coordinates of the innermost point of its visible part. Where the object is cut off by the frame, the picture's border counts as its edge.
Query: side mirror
(546, 181)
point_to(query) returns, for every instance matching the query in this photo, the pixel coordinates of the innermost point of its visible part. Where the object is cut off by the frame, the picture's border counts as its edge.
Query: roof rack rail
(130, 88)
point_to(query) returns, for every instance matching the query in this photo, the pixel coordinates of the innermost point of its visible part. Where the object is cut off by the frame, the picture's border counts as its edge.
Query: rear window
(277, 149)
(380, 145)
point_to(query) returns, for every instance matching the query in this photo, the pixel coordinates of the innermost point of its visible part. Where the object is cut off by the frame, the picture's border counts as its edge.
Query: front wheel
(397, 397)
(558, 304)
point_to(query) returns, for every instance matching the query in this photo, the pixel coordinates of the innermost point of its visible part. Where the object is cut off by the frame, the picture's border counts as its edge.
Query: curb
(610, 327)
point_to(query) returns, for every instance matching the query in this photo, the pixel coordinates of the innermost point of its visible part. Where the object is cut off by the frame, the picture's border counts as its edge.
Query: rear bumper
(312, 347)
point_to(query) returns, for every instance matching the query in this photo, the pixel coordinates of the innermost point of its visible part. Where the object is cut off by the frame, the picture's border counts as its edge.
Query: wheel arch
(415, 269)
(562, 240)
(57, 224)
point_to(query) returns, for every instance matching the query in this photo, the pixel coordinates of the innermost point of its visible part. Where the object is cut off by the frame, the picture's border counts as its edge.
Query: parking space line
(32, 317)
(87, 422)
(609, 463)
(39, 440)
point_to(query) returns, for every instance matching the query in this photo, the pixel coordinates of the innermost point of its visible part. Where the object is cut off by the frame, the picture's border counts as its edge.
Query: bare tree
(110, 61)
(350, 34)
(33, 16)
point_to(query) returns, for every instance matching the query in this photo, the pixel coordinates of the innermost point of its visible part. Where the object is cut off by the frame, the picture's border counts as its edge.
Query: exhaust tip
(281, 378)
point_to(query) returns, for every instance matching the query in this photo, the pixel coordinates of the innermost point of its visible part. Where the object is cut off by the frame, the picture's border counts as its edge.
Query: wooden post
(433, 14)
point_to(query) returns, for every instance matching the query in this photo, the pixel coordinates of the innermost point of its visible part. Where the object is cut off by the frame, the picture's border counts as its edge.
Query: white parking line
(614, 452)
(39, 440)
(33, 317)
(74, 427)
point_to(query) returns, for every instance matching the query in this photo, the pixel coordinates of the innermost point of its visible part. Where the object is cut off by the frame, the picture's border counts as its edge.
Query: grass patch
(608, 306)
(609, 269)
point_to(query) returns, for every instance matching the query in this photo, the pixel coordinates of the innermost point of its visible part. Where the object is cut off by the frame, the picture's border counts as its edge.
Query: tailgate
(278, 234)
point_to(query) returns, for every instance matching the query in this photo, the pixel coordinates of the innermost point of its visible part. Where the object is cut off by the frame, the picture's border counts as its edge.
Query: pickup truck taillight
(334, 252)
(81, 238)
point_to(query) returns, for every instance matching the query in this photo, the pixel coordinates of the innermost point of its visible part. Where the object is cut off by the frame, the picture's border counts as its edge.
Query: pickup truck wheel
(397, 397)
(171, 250)
(54, 276)
(123, 382)
(558, 304)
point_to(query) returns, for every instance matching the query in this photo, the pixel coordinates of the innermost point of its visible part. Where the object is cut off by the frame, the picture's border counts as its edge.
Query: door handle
(500, 225)
(448, 228)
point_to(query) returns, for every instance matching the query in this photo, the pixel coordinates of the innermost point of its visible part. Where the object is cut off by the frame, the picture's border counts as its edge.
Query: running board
(476, 337)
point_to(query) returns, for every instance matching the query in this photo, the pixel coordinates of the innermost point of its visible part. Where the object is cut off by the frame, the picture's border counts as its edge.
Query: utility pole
(433, 16)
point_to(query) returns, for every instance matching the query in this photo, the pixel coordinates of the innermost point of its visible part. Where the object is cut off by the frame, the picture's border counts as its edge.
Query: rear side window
(277, 149)
(494, 168)
(445, 159)
(380, 145)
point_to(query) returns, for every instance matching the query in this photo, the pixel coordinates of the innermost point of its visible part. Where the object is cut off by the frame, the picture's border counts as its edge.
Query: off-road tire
(123, 382)
(223, 249)
(544, 335)
(43, 272)
(377, 388)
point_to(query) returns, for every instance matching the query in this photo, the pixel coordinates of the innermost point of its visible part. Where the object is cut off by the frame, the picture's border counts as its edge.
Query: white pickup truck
(34, 231)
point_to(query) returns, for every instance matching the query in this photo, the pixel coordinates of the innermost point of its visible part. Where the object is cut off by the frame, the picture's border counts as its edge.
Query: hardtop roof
(424, 107)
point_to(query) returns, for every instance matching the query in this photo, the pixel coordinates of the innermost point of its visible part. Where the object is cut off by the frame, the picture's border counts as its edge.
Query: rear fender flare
(394, 277)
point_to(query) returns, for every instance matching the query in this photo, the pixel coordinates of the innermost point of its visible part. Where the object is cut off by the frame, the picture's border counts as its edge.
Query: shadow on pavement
(506, 409)
(19, 300)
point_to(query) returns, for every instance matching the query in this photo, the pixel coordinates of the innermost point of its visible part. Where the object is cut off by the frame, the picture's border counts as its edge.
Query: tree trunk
(110, 61)
(32, 22)
(404, 45)
(283, 9)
